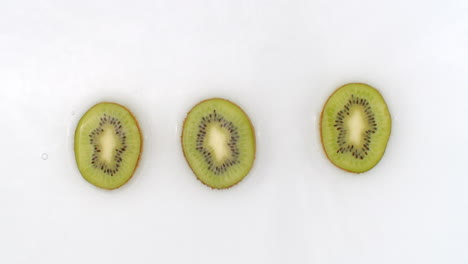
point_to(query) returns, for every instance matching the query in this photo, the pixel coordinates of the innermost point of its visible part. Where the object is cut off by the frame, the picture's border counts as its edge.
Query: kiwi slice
(107, 145)
(355, 127)
(218, 141)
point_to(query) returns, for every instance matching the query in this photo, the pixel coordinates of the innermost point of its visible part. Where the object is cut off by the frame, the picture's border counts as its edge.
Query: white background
(279, 60)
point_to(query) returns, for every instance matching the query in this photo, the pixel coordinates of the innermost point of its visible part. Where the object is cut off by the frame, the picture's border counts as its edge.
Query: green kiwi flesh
(107, 145)
(355, 127)
(218, 141)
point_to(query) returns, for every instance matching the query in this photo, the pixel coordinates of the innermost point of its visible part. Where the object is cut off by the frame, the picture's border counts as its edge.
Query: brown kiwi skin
(141, 143)
(321, 136)
(185, 156)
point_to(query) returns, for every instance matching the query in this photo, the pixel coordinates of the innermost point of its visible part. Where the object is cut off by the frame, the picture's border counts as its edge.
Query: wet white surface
(279, 60)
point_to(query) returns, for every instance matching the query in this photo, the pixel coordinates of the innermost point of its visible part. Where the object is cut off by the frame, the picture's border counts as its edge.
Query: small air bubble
(44, 156)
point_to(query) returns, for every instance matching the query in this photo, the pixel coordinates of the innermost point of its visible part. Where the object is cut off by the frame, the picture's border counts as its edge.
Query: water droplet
(44, 156)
